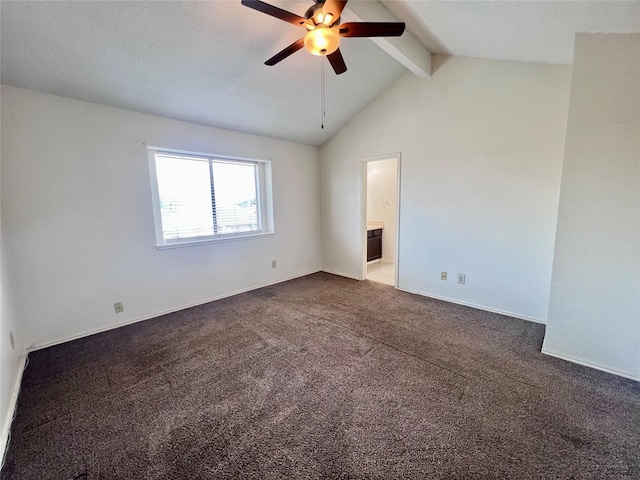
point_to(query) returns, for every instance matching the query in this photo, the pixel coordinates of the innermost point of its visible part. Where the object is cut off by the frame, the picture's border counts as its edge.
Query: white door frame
(363, 211)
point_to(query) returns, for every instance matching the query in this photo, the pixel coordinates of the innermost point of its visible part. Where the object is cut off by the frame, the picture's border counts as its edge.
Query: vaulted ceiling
(203, 62)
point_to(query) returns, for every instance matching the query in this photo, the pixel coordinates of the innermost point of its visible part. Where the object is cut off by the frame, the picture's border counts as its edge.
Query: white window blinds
(201, 197)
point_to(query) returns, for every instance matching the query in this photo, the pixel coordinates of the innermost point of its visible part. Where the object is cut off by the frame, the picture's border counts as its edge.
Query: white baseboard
(579, 361)
(341, 274)
(40, 346)
(13, 401)
(476, 306)
(381, 260)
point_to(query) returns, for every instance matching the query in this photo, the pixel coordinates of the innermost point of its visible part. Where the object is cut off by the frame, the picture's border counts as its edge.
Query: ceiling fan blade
(337, 62)
(275, 12)
(334, 7)
(293, 48)
(371, 29)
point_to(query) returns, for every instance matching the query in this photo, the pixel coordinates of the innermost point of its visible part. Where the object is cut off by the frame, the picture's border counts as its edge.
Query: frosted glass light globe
(322, 41)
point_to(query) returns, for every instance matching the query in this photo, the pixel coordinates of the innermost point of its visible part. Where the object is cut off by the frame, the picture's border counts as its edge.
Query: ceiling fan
(322, 22)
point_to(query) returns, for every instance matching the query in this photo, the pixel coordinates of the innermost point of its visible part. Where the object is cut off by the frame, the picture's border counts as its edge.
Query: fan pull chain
(322, 94)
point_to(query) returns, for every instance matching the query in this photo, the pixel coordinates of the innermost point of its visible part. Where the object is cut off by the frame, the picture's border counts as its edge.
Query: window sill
(194, 243)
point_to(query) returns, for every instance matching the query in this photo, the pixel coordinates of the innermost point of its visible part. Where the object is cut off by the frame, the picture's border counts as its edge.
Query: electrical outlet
(443, 275)
(13, 342)
(273, 264)
(461, 278)
(119, 308)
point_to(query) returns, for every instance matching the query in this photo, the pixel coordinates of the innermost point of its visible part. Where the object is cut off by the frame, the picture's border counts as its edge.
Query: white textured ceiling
(520, 30)
(196, 61)
(203, 61)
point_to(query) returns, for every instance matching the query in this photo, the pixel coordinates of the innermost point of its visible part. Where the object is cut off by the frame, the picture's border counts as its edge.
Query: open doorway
(380, 215)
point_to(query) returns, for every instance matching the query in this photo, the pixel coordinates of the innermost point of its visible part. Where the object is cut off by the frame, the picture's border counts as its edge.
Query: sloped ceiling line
(405, 49)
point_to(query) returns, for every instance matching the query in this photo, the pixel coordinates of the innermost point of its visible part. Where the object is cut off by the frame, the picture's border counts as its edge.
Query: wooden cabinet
(374, 244)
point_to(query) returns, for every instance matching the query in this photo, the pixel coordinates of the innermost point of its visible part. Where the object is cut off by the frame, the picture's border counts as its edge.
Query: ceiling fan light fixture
(322, 41)
(322, 20)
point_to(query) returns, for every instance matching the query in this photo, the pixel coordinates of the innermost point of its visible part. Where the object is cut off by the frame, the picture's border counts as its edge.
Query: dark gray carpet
(321, 377)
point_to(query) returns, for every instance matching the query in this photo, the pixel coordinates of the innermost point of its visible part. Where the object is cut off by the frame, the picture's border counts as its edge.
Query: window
(201, 198)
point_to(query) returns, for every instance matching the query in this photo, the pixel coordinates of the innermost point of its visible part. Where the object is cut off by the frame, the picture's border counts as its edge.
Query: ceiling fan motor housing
(314, 13)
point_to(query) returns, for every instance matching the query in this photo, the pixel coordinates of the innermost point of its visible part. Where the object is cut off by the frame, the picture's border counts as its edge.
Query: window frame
(265, 194)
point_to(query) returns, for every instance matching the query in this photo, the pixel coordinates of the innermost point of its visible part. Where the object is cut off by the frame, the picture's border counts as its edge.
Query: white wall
(78, 224)
(11, 358)
(382, 183)
(482, 144)
(594, 311)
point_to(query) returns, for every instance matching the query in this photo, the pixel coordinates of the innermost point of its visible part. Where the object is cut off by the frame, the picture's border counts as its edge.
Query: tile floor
(382, 273)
